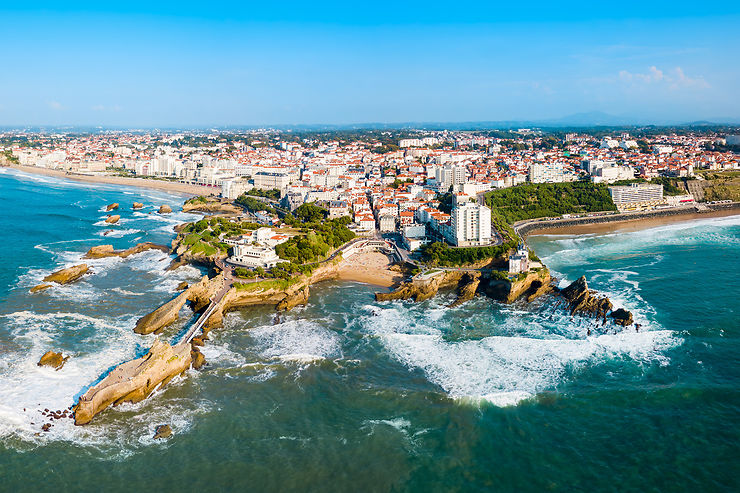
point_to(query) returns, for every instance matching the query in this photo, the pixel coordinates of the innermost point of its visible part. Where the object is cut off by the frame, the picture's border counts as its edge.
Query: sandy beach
(168, 186)
(370, 268)
(631, 224)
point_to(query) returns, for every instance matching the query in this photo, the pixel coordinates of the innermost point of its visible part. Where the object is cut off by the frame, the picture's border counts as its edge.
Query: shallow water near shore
(352, 395)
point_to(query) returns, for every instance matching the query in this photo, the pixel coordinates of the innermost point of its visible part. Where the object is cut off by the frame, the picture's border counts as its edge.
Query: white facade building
(637, 196)
(471, 225)
(519, 261)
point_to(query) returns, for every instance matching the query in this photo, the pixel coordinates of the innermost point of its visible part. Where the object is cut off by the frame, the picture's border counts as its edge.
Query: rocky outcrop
(55, 360)
(422, 289)
(582, 301)
(112, 207)
(134, 380)
(528, 286)
(622, 317)
(293, 300)
(162, 431)
(160, 318)
(211, 205)
(182, 286)
(137, 205)
(165, 209)
(198, 294)
(104, 251)
(40, 287)
(68, 275)
(467, 288)
(113, 219)
(198, 360)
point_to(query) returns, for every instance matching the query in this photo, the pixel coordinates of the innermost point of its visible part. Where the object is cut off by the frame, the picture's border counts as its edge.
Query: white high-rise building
(637, 196)
(546, 173)
(471, 225)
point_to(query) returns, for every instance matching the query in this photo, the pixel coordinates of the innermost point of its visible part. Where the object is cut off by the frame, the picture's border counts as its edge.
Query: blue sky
(237, 63)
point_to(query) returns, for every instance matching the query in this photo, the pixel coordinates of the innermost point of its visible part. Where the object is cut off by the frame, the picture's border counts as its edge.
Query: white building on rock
(256, 249)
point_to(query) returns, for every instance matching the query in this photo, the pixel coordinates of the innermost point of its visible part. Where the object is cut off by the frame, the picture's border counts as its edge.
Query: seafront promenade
(529, 226)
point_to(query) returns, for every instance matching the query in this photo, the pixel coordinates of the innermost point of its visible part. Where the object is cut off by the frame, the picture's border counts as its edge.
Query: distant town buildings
(381, 187)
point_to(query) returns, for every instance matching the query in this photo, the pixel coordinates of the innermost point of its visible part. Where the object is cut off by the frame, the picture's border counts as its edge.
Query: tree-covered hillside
(530, 201)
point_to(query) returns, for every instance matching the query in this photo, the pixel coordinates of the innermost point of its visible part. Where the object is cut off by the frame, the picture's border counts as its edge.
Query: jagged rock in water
(182, 286)
(137, 205)
(162, 316)
(112, 207)
(55, 360)
(198, 294)
(165, 209)
(103, 251)
(582, 301)
(162, 431)
(199, 360)
(40, 287)
(622, 317)
(68, 275)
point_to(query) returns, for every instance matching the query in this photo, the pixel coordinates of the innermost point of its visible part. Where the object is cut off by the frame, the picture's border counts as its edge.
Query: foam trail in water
(503, 369)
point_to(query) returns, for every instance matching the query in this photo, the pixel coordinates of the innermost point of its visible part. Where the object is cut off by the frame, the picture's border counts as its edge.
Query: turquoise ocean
(353, 395)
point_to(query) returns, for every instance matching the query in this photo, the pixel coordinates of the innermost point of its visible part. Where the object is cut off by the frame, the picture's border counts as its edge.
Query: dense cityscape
(424, 185)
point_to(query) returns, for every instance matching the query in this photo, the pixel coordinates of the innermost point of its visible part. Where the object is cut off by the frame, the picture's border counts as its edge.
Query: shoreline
(369, 268)
(172, 187)
(627, 225)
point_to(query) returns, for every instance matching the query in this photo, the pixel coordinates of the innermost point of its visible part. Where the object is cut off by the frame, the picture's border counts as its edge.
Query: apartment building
(637, 196)
(470, 225)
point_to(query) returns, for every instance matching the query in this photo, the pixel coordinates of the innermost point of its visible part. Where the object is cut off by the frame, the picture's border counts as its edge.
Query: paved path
(228, 282)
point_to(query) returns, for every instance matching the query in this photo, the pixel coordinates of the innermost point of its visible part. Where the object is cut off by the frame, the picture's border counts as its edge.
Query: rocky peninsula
(134, 380)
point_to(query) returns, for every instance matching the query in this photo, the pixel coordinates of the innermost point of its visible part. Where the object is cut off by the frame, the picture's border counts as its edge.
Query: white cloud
(682, 80)
(675, 79)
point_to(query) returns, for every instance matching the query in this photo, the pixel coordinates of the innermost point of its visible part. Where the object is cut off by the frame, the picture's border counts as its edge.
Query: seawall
(523, 228)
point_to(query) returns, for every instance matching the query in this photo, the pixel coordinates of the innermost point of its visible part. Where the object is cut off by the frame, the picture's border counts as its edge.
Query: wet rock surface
(162, 431)
(68, 275)
(103, 251)
(52, 359)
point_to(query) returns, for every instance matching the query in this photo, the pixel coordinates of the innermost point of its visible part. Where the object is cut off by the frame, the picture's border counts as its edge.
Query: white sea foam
(117, 233)
(125, 292)
(298, 341)
(27, 389)
(504, 369)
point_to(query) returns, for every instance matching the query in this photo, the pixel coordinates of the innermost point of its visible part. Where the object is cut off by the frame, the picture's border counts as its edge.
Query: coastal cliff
(470, 283)
(579, 298)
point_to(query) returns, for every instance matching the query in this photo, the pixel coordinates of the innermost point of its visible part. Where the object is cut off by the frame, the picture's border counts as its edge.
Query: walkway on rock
(228, 282)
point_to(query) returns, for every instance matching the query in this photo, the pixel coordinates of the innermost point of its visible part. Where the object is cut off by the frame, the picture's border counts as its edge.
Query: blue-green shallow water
(353, 395)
